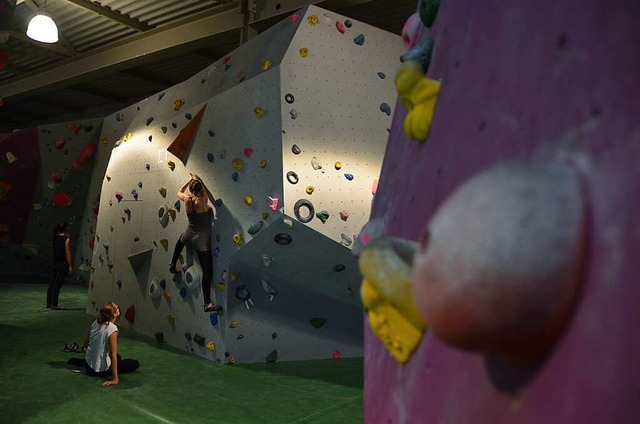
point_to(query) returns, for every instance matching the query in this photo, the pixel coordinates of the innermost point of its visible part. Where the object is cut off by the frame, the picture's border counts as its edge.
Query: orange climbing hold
(180, 146)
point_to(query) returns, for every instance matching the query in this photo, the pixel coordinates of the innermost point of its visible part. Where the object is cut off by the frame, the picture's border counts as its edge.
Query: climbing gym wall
(229, 124)
(19, 165)
(66, 151)
(523, 197)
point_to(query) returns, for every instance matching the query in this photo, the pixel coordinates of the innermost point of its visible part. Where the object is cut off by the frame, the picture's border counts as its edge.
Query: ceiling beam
(101, 93)
(155, 79)
(114, 16)
(265, 9)
(64, 51)
(33, 6)
(195, 32)
(58, 104)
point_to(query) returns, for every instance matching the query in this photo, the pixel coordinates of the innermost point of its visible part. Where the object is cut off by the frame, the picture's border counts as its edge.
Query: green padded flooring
(171, 386)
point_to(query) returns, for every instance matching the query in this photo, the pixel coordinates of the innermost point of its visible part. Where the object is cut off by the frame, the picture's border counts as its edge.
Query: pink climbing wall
(22, 175)
(555, 80)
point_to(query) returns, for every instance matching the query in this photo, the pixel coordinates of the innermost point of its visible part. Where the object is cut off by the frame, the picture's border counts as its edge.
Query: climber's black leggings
(206, 262)
(124, 366)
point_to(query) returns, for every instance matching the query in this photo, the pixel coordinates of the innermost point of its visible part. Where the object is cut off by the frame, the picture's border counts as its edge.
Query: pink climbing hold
(374, 188)
(62, 200)
(344, 215)
(248, 151)
(294, 18)
(336, 354)
(273, 203)
(56, 176)
(410, 31)
(340, 27)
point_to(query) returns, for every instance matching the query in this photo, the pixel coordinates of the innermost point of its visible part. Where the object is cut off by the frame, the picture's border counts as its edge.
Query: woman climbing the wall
(62, 265)
(198, 233)
(101, 348)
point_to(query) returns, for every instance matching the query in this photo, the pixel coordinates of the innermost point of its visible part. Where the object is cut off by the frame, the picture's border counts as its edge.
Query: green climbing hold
(318, 322)
(323, 216)
(421, 53)
(428, 9)
(255, 227)
(272, 357)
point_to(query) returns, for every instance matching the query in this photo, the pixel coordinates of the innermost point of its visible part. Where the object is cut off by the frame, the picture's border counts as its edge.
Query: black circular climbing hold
(292, 177)
(338, 268)
(348, 23)
(242, 293)
(289, 98)
(295, 149)
(282, 239)
(307, 204)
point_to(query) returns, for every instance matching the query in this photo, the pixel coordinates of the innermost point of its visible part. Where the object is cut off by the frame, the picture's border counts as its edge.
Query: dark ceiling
(116, 52)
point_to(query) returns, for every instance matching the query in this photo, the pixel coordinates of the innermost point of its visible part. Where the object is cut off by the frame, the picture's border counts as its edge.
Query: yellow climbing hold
(127, 137)
(248, 200)
(266, 64)
(163, 191)
(304, 52)
(232, 360)
(171, 318)
(258, 112)
(310, 190)
(313, 20)
(387, 293)
(265, 215)
(177, 104)
(263, 163)
(234, 276)
(221, 287)
(171, 165)
(237, 164)
(164, 243)
(419, 95)
(338, 165)
(105, 141)
(238, 239)
(234, 324)
(211, 346)
(172, 214)
(167, 296)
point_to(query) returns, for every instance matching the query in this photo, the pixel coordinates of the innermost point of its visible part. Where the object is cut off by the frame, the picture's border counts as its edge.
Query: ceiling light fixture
(42, 28)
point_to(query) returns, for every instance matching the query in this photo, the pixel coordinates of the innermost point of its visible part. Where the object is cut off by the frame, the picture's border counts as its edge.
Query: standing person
(101, 356)
(198, 233)
(61, 263)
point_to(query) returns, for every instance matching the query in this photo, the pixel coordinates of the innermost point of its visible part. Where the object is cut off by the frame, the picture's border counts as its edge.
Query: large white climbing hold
(498, 270)
(316, 163)
(192, 278)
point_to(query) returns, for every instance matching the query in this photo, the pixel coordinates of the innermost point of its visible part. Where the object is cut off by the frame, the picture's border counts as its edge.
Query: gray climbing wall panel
(244, 119)
(290, 285)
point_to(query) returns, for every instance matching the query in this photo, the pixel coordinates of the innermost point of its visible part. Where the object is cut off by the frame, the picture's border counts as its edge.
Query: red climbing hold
(294, 18)
(59, 143)
(56, 176)
(130, 314)
(248, 151)
(340, 27)
(87, 153)
(62, 200)
(336, 354)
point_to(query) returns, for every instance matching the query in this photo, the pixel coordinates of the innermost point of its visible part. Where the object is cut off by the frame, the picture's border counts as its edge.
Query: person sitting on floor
(101, 348)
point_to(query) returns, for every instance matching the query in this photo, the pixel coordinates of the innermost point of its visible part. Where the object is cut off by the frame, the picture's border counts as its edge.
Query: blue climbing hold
(214, 319)
(183, 292)
(382, 75)
(147, 166)
(218, 202)
(359, 40)
(140, 184)
(227, 66)
(210, 157)
(149, 121)
(349, 177)
(216, 252)
(385, 108)
(119, 283)
(160, 96)
(234, 176)
(211, 133)
(188, 116)
(421, 53)
(187, 335)
(177, 205)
